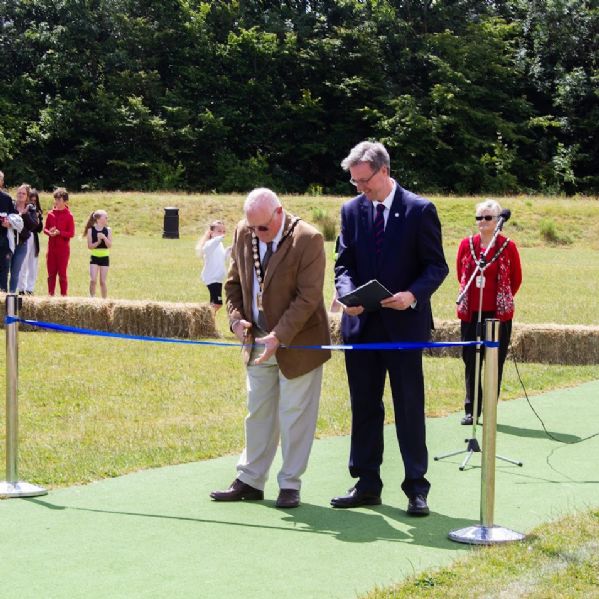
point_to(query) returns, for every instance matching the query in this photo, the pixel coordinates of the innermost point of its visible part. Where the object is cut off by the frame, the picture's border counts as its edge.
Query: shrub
(550, 234)
(329, 228)
(318, 214)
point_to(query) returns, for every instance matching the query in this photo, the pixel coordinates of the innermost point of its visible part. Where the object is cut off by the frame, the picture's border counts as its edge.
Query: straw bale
(335, 327)
(164, 319)
(542, 343)
(87, 313)
(556, 344)
(150, 319)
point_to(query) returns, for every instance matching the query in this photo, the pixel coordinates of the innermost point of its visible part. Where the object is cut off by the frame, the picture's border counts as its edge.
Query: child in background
(211, 248)
(99, 241)
(59, 228)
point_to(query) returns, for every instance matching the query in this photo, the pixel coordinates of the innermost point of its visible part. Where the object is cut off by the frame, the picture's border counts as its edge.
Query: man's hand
(271, 344)
(353, 310)
(400, 301)
(241, 328)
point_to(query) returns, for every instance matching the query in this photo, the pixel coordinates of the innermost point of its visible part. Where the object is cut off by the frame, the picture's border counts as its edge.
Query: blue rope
(406, 345)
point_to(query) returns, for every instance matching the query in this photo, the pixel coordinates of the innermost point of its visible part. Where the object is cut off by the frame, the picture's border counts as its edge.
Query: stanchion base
(20, 489)
(485, 535)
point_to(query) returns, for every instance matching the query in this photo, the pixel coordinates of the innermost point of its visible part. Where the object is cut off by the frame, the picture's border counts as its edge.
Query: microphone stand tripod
(473, 446)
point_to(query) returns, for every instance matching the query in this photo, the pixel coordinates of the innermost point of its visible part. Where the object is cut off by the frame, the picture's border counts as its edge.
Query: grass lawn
(93, 408)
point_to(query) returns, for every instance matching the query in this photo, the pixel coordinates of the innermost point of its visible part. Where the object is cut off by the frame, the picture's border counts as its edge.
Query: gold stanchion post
(12, 486)
(486, 533)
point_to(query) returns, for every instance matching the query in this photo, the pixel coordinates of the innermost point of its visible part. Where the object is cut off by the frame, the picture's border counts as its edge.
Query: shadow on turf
(536, 433)
(366, 525)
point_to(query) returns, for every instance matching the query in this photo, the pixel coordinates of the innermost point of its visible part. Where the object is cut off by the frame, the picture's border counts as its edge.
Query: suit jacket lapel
(368, 226)
(279, 255)
(394, 225)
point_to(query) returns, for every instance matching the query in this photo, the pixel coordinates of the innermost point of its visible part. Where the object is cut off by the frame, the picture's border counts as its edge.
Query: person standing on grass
(499, 283)
(211, 248)
(60, 228)
(99, 241)
(8, 216)
(274, 295)
(390, 234)
(28, 274)
(22, 238)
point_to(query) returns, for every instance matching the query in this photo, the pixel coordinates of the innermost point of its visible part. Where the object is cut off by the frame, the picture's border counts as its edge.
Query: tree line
(469, 96)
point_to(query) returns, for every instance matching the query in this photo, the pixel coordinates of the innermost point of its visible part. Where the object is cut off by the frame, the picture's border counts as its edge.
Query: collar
(389, 199)
(277, 238)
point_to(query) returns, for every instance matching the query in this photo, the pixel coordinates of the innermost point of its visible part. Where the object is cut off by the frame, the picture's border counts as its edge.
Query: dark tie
(379, 230)
(261, 319)
(266, 258)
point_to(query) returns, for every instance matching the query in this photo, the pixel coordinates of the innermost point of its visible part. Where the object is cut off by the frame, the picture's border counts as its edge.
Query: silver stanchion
(12, 486)
(487, 533)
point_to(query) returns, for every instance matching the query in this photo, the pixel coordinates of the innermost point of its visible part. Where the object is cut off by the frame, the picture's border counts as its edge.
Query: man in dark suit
(393, 235)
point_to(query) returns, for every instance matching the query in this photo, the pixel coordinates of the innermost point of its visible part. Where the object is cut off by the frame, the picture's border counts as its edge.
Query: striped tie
(379, 230)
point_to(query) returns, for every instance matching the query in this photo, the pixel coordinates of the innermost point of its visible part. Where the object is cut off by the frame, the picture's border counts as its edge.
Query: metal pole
(12, 411)
(12, 487)
(487, 533)
(487, 480)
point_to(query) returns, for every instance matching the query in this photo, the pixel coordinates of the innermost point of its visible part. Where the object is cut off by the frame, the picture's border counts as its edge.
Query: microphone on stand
(504, 216)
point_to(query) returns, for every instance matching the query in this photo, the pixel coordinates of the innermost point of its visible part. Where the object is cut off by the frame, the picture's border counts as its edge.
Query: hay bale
(445, 330)
(542, 343)
(556, 344)
(87, 313)
(148, 319)
(163, 319)
(335, 327)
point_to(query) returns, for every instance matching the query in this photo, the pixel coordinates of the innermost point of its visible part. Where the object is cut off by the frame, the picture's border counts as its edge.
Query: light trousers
(28, 274)
(278, 408)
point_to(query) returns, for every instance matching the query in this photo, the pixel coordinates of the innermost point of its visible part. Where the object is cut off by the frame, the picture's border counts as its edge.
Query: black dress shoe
(238, 491)
(417, 506)
(356, 498)
(288, 498)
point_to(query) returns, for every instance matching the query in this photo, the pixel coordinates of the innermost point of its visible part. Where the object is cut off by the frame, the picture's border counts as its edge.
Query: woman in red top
(499, 282)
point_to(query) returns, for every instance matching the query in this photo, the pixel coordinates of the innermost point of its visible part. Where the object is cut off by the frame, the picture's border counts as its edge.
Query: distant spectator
(99, 241)
(28, 275)
(211, 248)
(7, 212)
(28, 214)
(60, 227)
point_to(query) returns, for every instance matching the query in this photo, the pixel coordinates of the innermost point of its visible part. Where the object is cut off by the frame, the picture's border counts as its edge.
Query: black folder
(368, 295)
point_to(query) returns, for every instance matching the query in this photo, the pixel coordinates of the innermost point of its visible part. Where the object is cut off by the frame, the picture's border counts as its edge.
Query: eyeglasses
(485, 217)
(356, 182)
(264, 227)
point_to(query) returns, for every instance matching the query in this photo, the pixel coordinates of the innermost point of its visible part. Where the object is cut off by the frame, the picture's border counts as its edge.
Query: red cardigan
(503, 277)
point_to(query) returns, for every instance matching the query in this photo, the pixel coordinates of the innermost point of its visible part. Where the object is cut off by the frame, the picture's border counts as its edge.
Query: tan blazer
(292, 299)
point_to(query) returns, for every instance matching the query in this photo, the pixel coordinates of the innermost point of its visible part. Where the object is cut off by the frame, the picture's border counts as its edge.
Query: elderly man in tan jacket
(274, 300)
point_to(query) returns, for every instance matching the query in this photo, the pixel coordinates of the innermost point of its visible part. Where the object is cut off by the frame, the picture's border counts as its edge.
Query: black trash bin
(171, 223)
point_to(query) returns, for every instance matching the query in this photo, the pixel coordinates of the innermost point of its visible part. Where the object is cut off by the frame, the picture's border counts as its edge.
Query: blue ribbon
(358, 346)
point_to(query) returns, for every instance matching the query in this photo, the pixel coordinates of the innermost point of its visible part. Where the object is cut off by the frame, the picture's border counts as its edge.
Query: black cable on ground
(540, 419)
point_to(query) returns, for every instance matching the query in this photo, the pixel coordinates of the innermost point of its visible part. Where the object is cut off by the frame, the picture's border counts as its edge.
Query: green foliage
(469, 96)
(550, 234)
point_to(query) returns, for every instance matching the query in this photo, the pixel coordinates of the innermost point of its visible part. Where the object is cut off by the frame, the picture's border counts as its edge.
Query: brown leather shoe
(288, 498)
(238, 491)
(355, 498)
